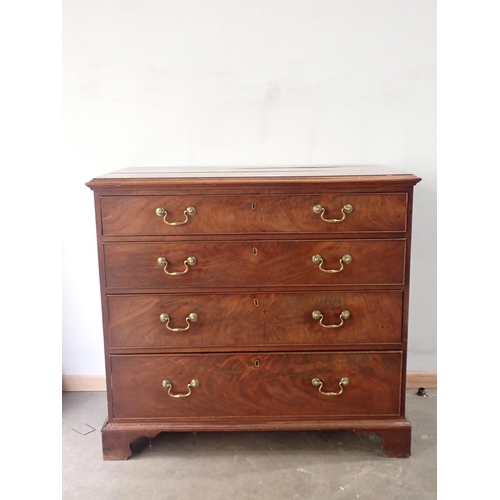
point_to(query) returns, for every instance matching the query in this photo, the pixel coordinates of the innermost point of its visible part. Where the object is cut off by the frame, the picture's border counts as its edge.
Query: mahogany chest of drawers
(254, 299)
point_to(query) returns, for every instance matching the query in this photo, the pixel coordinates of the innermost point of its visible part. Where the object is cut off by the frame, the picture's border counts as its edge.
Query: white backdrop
(238, 82)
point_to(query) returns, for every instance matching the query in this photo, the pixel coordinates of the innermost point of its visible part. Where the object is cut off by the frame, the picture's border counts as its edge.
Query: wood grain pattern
(245, 321)
(230, 214)
(234, 264)
(233, 385)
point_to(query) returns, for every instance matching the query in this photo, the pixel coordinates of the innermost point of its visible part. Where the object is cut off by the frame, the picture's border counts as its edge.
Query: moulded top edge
(252, 174)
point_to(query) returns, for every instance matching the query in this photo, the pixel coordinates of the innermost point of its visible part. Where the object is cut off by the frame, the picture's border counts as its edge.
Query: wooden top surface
(250, 172)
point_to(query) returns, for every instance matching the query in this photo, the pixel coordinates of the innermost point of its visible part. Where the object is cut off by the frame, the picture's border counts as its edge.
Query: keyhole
(254, 251)
(256, 302)
(254, 205)
(256, 363)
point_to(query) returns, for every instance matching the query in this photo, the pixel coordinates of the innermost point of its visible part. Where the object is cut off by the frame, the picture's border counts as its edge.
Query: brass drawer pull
(346, 259)
(190, 261)
(318, 315)
(346, 209)
(168, 385)
(161, 212)
(316, 382)
(165, 318)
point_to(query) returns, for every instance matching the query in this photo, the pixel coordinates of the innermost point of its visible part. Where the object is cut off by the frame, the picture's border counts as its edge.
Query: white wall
(234, 82)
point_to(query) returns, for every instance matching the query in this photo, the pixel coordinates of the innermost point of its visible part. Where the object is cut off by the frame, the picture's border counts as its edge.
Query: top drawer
(230, 214)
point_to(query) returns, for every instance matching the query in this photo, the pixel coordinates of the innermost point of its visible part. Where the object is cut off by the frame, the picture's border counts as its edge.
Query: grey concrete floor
(247, 465)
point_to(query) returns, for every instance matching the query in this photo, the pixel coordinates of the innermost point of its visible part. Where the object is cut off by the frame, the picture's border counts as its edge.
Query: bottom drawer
(256, 385)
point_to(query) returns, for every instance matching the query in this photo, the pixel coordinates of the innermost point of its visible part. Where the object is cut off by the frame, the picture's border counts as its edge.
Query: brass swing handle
(316, 382)
(346, 259)
(168, 385)
(165, 318)
(318, 315)
(346, 209)
(190, 261)
(161, 212)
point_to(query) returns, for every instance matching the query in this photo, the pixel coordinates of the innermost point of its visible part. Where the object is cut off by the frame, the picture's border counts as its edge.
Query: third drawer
(261, 319)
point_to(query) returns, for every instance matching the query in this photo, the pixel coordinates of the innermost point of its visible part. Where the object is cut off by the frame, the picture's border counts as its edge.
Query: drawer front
(276, 319)
(265, 263)
(259, 385)
(138, 215)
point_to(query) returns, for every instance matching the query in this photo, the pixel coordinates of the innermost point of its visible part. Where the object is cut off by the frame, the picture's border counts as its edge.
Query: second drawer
(264, 263)
(271, 319)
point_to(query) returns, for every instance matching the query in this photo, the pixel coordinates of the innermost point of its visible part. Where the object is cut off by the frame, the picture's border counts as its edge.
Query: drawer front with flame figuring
(256, 385)
(219, 321)
(230, 214)
(261, 264)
